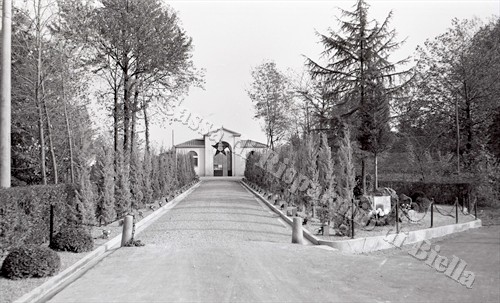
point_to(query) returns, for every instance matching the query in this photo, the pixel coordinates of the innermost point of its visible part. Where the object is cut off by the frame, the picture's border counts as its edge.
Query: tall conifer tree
(359, 69)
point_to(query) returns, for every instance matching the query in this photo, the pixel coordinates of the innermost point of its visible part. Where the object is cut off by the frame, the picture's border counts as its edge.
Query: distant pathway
(221, 245)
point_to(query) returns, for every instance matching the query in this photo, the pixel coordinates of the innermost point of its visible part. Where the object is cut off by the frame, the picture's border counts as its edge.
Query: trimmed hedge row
(25, 213)
(443, 193)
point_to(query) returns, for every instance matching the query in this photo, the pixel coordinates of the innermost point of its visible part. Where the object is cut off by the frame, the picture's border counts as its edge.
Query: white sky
(232, 37)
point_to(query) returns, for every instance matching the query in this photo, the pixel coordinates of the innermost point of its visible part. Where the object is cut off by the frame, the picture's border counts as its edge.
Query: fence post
(297, 233)
(397, 216)
(456, 211)
(51, 223)
(352, 218)
(128, 223)
(432, 214)
(475, 208)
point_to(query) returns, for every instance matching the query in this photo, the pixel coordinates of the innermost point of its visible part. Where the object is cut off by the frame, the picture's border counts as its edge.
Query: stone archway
(223, 159)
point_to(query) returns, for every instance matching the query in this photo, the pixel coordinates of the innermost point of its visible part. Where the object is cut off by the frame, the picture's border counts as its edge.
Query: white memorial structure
(220, 153)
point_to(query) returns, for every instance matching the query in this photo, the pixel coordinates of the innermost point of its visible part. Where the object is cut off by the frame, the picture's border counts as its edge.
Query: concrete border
(283, 216)
(370, 244)
(70, 274)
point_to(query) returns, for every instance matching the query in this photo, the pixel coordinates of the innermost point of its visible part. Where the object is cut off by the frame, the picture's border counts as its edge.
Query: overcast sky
(232, 37)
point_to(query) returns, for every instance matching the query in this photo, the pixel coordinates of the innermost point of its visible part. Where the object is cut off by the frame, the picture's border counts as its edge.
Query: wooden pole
(5, 95)
(397, 216)
(432, 214)
(456, 211)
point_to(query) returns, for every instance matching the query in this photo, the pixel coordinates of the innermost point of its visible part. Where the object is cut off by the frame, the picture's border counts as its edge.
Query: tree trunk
(41, 138)
(146, 125)
(49, 135)
(375, 182)
(115, 126)
(68, 130)
(363, 176)
(126, 111)
(38, 100)
(468, 126)
(134, 119)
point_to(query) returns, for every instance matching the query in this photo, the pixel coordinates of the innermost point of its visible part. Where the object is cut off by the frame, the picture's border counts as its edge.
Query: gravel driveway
(221, 245)
(216, 213)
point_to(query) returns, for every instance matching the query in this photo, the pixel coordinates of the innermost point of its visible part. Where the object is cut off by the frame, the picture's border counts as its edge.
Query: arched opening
(194, 156)
(222, 159)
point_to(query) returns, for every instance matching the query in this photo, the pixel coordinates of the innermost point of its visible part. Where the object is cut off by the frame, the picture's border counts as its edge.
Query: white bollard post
(297, 234)
(128, 223)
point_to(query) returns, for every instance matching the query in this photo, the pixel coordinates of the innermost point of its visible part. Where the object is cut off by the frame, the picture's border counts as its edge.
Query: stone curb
(47, 289)
(305, 232)
(370, 244)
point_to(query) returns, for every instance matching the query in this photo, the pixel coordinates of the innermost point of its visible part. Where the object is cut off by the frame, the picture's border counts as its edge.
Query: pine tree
(359, 70)
(312, 172)
(105, 212)
(346, 178)
(85, 197)
(327, 181)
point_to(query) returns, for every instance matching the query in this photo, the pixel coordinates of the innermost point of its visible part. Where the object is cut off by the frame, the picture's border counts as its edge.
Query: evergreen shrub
(30, 261)
(72, 239)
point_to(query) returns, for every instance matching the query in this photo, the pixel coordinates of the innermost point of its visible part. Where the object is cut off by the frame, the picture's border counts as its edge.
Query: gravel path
(217, 213)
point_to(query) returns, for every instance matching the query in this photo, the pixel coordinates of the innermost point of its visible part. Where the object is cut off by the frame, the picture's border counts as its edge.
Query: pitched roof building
(220, 152)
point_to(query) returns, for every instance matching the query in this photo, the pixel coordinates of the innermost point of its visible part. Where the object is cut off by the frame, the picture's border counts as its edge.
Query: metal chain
(407, 215)
(444, 214)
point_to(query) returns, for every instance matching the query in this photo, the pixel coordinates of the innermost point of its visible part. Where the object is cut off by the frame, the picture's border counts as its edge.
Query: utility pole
(5, 95)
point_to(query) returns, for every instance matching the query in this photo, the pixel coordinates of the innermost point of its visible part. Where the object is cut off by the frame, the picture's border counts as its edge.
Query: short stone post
(128, 223)
(297, 234)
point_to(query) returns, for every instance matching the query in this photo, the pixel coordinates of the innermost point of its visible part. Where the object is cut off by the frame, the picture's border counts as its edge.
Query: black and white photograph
(249, 151)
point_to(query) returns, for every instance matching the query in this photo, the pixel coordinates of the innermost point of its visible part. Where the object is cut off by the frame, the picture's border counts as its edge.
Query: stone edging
(306, 233)
(369, 244)
(71, 273)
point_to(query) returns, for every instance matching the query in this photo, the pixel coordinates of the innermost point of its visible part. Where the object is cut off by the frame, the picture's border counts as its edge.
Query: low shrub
(72, 239)
(30, 261)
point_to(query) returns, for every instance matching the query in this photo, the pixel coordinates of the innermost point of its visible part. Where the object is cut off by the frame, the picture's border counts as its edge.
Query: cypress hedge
(25, 213)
